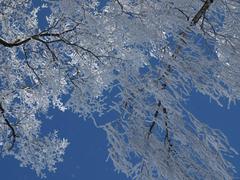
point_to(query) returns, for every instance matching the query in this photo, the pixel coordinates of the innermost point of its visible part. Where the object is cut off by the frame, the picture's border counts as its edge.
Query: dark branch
(201, 12)
(13, 134)
(167, 138)
(34, 72)
(154, 121)
(15, 43)
(181, 11)
(126, 12)
(19, 42)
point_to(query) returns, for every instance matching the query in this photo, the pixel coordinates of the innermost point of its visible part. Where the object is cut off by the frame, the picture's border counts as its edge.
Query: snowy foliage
(153, 53)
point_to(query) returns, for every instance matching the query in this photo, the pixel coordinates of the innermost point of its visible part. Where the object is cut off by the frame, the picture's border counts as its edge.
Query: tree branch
(201, 12)
(194, 21)
(15, 43)
(19, 42)
(13, 134)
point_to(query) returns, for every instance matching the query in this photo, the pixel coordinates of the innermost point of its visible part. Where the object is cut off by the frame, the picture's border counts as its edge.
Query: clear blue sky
(85, 157)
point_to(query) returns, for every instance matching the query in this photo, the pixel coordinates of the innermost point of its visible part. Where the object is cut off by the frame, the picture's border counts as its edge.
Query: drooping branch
(194, 21)
(162, 79)
(167, 140)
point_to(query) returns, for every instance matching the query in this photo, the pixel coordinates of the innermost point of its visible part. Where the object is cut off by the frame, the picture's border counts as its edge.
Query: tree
(150, 54)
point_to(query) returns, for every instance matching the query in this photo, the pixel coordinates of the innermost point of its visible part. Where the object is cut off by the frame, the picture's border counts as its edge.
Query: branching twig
(181, 11)
(30, 67)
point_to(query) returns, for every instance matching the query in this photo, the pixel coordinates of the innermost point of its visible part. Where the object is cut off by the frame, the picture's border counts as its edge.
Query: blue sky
(85, 157)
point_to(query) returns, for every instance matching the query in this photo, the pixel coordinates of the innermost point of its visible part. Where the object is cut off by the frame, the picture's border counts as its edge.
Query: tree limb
(201, 12)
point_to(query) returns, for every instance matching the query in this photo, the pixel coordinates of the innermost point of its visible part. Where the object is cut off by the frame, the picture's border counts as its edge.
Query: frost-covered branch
(138, 59)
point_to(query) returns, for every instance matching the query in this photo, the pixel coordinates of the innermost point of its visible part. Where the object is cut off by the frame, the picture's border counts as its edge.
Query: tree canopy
(138, 58)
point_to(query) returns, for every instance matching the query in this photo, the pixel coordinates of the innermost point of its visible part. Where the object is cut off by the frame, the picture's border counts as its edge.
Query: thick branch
(201, 12)
(13, 44)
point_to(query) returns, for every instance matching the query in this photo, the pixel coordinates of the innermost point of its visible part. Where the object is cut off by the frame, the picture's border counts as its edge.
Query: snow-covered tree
(150, 53)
